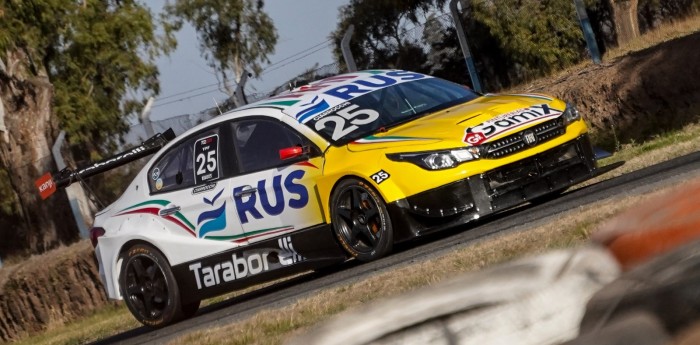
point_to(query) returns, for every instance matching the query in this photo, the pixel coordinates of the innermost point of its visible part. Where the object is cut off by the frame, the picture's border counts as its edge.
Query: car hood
(482, 120)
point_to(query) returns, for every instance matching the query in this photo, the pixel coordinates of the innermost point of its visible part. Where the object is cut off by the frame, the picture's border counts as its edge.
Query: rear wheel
(149, 287)
(361, 221)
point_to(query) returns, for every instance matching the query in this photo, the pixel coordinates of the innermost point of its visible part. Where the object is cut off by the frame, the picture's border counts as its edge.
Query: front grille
(514, 143)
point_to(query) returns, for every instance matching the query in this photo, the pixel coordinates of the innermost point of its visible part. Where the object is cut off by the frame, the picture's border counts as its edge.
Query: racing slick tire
(149, 288)
(361, 221)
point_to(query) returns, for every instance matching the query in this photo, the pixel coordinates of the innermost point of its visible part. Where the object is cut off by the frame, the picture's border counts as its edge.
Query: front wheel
(361, 221)
(149, 287)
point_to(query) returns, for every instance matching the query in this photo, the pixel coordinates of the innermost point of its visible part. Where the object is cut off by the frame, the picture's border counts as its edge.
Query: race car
(340, 168)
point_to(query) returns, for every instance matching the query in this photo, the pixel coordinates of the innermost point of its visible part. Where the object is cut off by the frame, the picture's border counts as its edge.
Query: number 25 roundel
(206, 159)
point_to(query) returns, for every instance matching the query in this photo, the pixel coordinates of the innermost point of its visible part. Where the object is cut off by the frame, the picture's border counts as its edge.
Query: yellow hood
(484, 119)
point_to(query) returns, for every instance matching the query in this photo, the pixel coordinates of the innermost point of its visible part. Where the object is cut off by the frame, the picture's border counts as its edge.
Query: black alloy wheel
(149, 287)
(361, 221)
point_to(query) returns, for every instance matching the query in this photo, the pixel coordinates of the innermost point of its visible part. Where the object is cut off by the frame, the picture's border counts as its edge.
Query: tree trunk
(625, 17)
(26, 154)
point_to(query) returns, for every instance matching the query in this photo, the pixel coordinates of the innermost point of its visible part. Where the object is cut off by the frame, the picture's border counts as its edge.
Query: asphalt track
(640, 182)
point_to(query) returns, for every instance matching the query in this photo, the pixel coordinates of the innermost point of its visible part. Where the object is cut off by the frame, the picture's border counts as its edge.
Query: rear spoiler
(47, 184)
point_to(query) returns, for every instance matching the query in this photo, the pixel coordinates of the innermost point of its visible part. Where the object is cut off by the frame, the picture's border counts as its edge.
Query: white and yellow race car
(341, 168)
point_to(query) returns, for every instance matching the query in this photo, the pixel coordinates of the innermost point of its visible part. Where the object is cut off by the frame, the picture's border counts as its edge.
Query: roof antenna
(217, 105)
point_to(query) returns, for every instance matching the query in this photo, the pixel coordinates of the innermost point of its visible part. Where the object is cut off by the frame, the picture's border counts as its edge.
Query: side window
(259, 141)
(192, 162)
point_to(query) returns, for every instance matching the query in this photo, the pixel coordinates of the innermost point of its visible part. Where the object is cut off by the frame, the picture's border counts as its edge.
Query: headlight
(571, 114)
(437, 160)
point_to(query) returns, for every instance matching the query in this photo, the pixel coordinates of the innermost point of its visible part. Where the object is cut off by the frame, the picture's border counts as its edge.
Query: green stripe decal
(150, 202)
(184, 220)
(248, 234)
(390, 137)
(282, 103)
(529, 96)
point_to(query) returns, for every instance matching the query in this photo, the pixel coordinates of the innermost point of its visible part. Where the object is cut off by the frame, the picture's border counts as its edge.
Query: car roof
(301, 102)
(313, 96)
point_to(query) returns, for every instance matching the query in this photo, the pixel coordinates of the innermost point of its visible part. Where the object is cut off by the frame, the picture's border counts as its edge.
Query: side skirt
(259, 262)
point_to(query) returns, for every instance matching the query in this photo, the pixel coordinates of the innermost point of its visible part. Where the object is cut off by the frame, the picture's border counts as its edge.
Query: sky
(188, 85)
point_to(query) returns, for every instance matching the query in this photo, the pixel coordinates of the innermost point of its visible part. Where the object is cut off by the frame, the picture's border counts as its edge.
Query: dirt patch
(636, 96)
(48, 290)
(630, 98)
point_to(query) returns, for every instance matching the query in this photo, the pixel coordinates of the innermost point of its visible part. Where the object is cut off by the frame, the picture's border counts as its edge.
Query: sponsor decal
(245, 264)
(288, 255)
(45, 185)
(331, 110)
(316, 106)
(345, 121)
(134, 151)
(287, 193)
(386, 139)
(380, 176)
(213, 220)
(159, 184)
(206, 160)
(508, 122)
(155, 173)
(202, 189)
(474, 138)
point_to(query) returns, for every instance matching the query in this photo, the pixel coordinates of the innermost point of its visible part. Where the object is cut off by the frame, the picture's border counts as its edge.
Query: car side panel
(258, 262)
(285, 200)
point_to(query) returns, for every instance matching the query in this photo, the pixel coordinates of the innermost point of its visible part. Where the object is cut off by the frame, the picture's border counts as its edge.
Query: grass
(661, 148)
(110, 320)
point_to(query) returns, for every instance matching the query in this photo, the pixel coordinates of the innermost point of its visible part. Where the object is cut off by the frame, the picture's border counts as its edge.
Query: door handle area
(168, 211)
(246, 191)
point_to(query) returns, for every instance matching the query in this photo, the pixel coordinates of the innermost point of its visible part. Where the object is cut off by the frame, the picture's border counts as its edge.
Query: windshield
(388, 107)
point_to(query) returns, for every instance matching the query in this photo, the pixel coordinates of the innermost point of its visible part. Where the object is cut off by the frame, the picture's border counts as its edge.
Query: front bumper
(495, 190)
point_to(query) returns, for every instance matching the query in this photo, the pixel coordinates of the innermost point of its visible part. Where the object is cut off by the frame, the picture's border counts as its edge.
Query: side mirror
(291, 152)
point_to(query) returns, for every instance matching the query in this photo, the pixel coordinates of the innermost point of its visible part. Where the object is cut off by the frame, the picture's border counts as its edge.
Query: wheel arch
(382, 200)
(124, 247)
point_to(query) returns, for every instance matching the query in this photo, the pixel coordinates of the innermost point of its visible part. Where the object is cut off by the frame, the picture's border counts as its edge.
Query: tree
(73, 65)
(235, 36)
(380, 38)
(444, 58)
(625, 19)
(536, 36)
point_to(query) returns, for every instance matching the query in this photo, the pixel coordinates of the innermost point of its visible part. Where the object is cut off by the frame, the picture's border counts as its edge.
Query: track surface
(636, 183)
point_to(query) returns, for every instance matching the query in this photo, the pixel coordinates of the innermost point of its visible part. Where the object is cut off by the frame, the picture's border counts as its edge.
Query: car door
(190, 183)
(274, 195)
